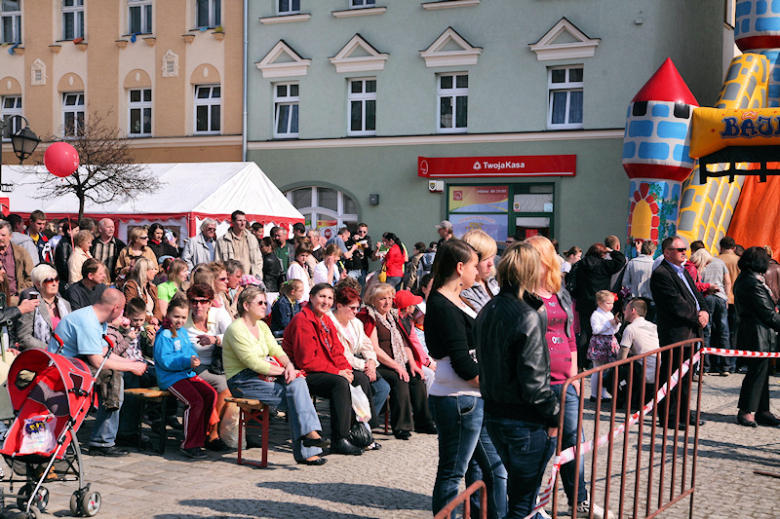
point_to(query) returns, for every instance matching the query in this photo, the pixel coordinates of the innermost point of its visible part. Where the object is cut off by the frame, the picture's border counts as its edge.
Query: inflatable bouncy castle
(732, 188)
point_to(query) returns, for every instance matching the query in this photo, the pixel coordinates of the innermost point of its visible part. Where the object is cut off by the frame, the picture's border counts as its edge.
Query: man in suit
(681, 315)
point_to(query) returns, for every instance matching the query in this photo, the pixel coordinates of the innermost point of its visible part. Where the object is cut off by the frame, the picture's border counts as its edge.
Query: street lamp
(24, 142)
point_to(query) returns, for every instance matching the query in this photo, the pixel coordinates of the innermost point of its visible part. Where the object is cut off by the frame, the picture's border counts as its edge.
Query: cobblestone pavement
(397, 481)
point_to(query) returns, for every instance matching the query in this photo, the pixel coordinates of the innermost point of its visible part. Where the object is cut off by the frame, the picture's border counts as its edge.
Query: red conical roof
(666, 85)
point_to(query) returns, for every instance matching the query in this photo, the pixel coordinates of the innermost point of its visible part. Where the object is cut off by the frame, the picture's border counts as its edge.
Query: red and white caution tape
(570, 454)
(741, 353)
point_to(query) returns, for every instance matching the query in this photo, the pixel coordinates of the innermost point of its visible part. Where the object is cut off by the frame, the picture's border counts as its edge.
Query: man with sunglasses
(202, 247)
(681, 315)
(357, 266)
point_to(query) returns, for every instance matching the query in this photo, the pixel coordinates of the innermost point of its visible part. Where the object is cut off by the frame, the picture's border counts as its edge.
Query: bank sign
(483, 167)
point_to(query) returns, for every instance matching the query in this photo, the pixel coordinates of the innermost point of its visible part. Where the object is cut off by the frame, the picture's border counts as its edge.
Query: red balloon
(61, 159)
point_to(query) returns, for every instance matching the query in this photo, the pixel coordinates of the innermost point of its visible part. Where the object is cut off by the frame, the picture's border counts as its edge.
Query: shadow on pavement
(242, 508)
(352, 494)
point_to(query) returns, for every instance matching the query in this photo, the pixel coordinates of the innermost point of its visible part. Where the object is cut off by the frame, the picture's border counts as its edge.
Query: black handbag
(360, 436)
(217, 368)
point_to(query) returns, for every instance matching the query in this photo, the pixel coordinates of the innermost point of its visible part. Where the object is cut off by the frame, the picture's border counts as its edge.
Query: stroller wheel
(90, 504)
(40, 501)
(75, 505)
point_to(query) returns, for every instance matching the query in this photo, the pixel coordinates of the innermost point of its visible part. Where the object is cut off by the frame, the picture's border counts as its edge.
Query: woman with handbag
(206, 327)
(465, 448)
(313, 344)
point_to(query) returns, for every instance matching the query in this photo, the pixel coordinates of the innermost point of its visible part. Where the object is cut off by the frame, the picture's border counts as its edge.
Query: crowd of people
(450, 339)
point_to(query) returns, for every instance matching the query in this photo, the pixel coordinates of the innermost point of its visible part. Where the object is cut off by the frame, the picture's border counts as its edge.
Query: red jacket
(394, 260)
(305, 343)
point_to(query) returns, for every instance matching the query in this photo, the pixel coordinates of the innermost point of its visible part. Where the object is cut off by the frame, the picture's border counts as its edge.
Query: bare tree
(107, 173)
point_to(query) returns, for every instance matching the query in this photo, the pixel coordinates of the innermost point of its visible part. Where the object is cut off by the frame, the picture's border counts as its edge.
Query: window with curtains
(286, 110)
(72, 19)
(10, 21)
(208, 13)
(139, 16)
(565, 88)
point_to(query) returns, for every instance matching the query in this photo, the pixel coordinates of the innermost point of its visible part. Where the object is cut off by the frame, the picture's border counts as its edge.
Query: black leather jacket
(757, 320)
(61, 255)
(514, 362)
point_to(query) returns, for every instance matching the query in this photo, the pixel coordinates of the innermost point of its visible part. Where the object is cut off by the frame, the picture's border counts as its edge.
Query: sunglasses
(222, 279)
(143, 238)
(52, 280)
(678, 249)
(200, 301)
(354, 308)
(261, 303)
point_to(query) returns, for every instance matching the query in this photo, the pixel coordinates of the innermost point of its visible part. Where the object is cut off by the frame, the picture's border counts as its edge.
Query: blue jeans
(716, 333)
(525, 450)
(570, 433)
(381, 392)
(394, 281)
(293, 398)
(107, 423)
(465, 449)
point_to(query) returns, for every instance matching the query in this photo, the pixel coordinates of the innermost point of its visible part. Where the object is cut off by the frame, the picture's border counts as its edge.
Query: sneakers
(583, 510)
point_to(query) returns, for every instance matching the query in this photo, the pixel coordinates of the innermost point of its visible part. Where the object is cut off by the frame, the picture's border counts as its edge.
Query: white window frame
(567, 87)
(286, 100)
(363, 97)
(362, 4)
(147, 14)
(290, 8)
(208, 102)
(454, 93)
(74, 8)
(73, 102)
(214, 13)
(140, 106)
(7, 112)
(16, 25)
(324, 213)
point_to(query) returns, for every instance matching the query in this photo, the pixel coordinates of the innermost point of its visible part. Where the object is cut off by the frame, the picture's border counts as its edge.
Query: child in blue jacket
(287, 306)
(174, 359)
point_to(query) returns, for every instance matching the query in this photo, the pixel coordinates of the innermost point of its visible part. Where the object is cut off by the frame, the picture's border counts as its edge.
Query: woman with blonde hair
(521, 412)
(399, 363)
(562, 346)
(717, 333)
(82, 243)
(138, 239)
(140, 285)
(485, 286)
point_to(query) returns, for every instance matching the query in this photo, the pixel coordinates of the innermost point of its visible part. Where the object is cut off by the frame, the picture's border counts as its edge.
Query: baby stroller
(51, 395)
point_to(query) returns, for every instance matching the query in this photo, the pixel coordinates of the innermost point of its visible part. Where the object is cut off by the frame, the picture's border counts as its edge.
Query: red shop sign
(520, 166)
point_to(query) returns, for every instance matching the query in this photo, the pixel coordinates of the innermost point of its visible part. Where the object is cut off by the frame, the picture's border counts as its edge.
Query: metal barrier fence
(465, 498)
(651, 453)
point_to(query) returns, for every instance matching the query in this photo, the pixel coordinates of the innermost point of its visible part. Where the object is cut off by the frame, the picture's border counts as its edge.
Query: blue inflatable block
(682, 154)
(660, 111)
(640, 129)
(768, 24)
(629, 150)
(670, 130)
(654, 150)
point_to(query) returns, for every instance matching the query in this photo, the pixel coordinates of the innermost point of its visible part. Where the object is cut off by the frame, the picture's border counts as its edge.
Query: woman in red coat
(312, 343)
(395, 257)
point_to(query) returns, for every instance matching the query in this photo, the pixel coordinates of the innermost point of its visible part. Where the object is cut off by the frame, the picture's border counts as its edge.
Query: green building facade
(352, 102)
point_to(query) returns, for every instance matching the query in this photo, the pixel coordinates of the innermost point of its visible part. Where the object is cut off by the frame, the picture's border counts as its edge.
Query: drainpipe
(245, 79)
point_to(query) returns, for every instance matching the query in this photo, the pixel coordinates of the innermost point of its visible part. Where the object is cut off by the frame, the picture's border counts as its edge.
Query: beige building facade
(166, 73)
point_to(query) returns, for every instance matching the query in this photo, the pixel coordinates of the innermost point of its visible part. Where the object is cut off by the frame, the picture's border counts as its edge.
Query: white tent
(189, 194)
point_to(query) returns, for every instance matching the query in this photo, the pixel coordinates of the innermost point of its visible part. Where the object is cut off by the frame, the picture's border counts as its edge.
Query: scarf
(390, 322)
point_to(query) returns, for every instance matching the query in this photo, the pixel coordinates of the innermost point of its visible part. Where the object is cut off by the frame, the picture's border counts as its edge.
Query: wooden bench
(252, 409)
(157, 398)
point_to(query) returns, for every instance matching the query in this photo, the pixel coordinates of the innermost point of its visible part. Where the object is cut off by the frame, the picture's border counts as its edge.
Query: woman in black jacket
(757, 325)
(159, 244)
(521, 410)
(63, 251)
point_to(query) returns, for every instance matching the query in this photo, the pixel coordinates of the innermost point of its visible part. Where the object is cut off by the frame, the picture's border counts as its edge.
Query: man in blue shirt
(82, 335)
